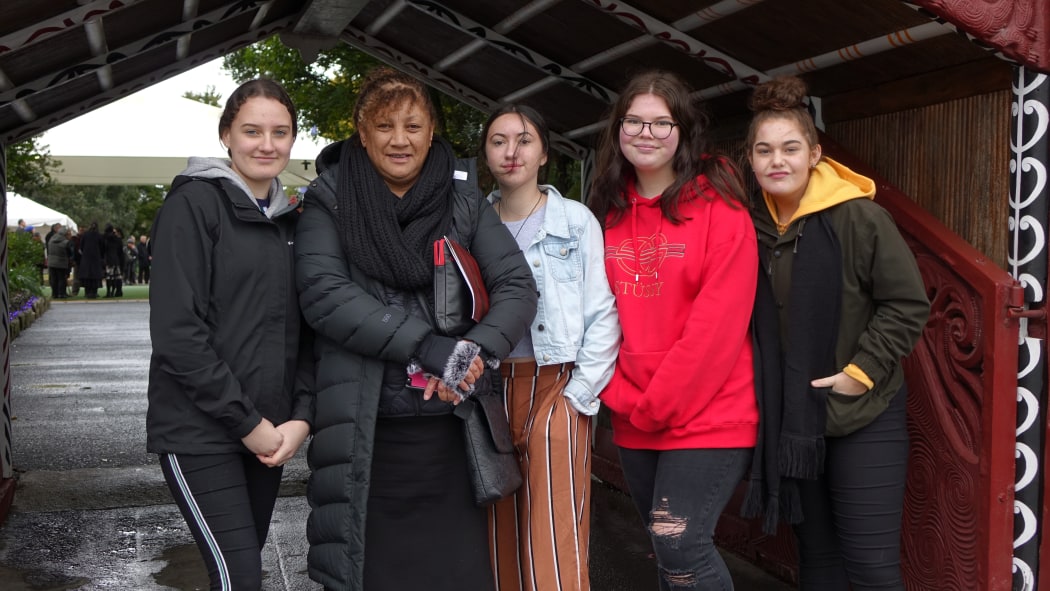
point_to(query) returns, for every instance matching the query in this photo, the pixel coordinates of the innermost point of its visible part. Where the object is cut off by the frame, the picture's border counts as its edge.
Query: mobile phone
(417, 380)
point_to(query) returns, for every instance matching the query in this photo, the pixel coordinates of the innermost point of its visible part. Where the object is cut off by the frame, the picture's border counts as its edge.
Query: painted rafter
(101, 61)
(397, 59)
(62, 22)
(711, 57)
(702, 17)
(228, 46)
(495, 38)
(842, 55)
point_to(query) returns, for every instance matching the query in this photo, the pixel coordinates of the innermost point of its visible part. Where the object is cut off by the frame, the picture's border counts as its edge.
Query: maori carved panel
(941, 527)
(1020, 29)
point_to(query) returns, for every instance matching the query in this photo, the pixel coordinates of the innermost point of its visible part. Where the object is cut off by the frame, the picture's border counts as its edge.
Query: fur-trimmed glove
(448, 358)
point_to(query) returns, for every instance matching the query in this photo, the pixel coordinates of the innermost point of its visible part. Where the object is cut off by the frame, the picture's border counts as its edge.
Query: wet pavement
(91, 510)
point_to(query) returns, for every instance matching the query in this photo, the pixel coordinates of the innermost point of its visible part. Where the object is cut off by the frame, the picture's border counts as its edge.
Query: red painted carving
(941, 538)
(1020, 29)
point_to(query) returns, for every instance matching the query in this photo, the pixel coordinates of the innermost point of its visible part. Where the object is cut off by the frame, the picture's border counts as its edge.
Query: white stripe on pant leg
(550, 493)
(198, 517)
(527, 489)
(572, 425)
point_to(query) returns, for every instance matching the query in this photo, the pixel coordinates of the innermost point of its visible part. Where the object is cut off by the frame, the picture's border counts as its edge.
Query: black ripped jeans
(680, 494)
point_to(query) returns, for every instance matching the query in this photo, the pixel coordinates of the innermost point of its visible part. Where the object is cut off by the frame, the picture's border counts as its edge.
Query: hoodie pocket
(634, 371)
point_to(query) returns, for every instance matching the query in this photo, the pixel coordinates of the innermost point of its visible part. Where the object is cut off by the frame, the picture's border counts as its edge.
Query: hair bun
(779, 94)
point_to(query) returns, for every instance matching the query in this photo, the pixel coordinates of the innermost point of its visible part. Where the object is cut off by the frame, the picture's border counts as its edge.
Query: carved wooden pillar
(7, 481)
(1029, 221)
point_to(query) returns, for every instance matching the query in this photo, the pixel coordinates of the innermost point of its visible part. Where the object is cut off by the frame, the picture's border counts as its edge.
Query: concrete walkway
(91, 510)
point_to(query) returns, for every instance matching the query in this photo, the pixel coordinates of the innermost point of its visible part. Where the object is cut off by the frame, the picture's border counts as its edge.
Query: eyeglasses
(659, 129)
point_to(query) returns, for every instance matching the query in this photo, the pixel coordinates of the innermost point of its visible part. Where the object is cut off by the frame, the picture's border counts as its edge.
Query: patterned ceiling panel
(61, 58)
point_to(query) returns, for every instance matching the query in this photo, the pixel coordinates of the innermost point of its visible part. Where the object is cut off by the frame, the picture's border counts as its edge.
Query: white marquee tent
(35, 214)
(145, 139)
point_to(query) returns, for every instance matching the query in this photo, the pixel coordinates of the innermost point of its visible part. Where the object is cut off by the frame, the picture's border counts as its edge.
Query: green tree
(28, 166)
(208, 97)
(129, 208)
(325, 91)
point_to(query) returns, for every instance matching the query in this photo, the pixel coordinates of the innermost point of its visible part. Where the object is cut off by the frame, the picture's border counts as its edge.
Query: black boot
(118, 290)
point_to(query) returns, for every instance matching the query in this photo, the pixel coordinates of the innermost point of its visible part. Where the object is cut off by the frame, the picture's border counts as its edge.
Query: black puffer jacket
(356, 334)
(229, 346)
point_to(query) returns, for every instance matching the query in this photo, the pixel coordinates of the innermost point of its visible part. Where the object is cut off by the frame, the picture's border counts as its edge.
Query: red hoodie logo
(643, 256)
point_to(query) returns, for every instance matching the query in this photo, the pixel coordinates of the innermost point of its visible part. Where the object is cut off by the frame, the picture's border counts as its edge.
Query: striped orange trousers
(539, 536)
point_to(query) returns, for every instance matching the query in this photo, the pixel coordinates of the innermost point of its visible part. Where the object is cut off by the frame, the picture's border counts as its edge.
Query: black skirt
(423, 530)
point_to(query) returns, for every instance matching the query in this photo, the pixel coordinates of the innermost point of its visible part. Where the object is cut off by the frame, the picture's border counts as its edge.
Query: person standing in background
(58, 262)
(551, 380)
(90, 269)
(113, 259)
(130, 260)
(682, 262)
(74, 261)
(142, 251)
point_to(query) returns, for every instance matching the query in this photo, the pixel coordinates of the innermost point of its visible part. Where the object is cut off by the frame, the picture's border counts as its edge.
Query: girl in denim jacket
(553, 376)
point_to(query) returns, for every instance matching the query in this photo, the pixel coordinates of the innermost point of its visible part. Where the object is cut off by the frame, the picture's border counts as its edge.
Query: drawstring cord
(634, 240)
(801, 225)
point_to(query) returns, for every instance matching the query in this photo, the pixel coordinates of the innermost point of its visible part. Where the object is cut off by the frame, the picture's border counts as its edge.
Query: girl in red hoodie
(682, 260)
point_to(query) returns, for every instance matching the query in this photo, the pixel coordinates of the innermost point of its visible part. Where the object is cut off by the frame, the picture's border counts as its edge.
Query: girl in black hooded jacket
(230, 397)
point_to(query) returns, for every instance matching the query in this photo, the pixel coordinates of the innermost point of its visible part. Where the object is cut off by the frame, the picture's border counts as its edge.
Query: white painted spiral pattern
(1027, 260)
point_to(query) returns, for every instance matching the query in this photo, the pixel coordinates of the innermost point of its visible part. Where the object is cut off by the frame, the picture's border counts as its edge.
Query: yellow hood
(830, 184)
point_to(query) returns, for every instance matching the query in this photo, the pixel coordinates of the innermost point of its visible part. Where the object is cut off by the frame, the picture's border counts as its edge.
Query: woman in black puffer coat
(392, 507)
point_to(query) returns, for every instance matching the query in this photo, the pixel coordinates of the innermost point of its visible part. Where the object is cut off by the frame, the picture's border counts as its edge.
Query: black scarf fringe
(801, 457)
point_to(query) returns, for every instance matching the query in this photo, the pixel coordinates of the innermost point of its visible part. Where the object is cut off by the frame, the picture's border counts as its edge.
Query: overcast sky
(197, 80)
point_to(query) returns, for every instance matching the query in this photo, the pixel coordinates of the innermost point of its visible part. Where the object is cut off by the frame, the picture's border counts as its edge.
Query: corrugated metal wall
(952, 159)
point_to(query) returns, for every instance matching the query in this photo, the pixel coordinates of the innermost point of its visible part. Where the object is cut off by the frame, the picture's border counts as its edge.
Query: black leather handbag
(494, 469)
(461, 300)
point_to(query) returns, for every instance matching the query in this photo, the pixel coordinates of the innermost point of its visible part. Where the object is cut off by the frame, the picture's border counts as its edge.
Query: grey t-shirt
(524, 231)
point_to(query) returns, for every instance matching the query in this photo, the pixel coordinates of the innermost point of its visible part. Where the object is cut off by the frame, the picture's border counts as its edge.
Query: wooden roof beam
(319, 26)
(485, 35)
(428, 75)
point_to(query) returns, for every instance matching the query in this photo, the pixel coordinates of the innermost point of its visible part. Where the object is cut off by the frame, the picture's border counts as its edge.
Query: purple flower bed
(20, 305)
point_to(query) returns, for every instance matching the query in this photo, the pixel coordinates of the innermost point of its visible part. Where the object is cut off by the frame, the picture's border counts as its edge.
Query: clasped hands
(274, 446)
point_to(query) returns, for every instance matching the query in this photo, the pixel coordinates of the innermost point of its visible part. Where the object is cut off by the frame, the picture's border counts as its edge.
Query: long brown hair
(694, 156)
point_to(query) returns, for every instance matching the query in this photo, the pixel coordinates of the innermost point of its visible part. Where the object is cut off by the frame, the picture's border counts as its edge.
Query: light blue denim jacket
(576, 319)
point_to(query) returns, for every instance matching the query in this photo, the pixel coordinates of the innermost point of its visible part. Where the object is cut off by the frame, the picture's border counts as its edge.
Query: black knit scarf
(389, 238)
(793, 414)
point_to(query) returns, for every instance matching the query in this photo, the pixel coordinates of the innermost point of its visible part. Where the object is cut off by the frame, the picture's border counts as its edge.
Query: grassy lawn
(131, 292)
